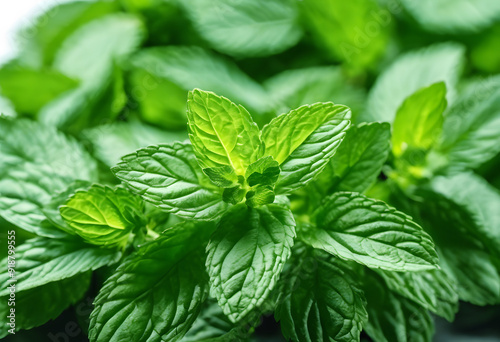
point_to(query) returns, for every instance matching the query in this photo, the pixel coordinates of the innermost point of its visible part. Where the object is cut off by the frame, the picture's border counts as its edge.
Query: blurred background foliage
(115, 75)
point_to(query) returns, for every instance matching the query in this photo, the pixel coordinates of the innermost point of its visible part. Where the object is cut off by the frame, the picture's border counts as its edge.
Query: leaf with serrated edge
(102, 215)
(320, 300)
(354, 227)
(157, 293)
(222, 133)
(169, 177)
(246, 255)
(304, 140)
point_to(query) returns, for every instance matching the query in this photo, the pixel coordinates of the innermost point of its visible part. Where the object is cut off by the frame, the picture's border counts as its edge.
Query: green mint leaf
(39, 305)
(256, 28)
(222, 176)
(233, 195)
(41, 261)
(169, 270)
(470, 128)
(222, 133)
(246, 255)
(303, 141)
(260, 195)
(434, 290)
(46, 37)
(112, 141)
(465, 254)
(264, 171)
(169, 177)
(194, 67)
(419, 120)
(354, 227)
(320, 299)
(409, 73)
(458, 16)
(213, 326)
(392, 317)
(298, 87)
(51, 209)
(17, 83)
(103, 216)
(359, 159)
(37, 161)
(332, 24)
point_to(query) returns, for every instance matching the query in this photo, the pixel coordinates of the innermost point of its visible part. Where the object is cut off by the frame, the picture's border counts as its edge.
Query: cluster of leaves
(195, 235)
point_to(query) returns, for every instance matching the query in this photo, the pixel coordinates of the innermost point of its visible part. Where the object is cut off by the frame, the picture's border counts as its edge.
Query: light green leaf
(248, 28)
(419, 120)
(246, 255)
(39, 86)
(264, 171)
(193, 67)
(320, 300)
(37, 306)
(304, 140)
(393, 318)
(354, 227)
(222, 176)
(169, 177)
(298, 87)
(41, 261)
(158, 292)
(89, 55)
(454, 16)
(41, 40)
(111, 142)
(104, 216)
(6, 108)
(37, 161)
(260, 195)
(345, 29)
(222, 133)
(359, 159)
(470, 131)
(434, 290)
(51, 209)
(409, 73)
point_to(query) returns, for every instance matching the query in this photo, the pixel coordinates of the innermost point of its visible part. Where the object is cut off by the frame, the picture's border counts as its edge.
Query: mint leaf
(359, 159)
(333, 24)
(264, 171)
(249, 29)
(39, 305)
(222, 133)
(103, 216)
(18, 83)
(354, 227)
(465, 254)
(112, 141)
(165, 174)
(41, 261)
(469, 131)
(168, 271)
(222, 176)
(194, 67)
(409, 73)
(260, 195)
(434, 290)
(459, 16)
(303, 141)
(298, 87)
(321, 302)
(246, 255)
(419, 120)
(392, 317)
